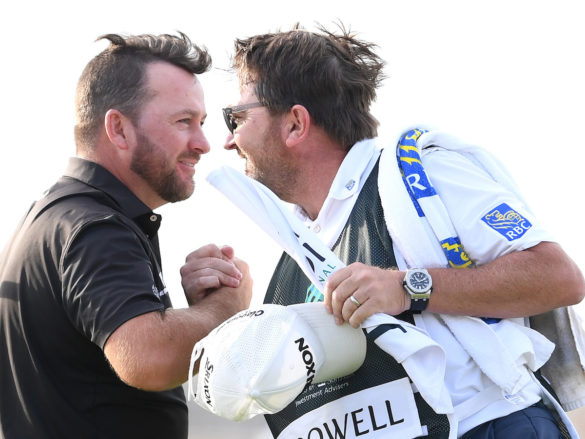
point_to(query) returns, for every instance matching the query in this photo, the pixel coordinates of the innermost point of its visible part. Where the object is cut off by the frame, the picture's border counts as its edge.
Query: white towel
(262, 206)
(423, 359)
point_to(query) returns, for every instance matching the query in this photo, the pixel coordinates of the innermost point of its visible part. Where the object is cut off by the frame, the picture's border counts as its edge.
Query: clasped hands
(210, 268)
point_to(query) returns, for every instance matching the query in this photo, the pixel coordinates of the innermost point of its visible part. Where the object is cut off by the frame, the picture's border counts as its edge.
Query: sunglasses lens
(227, 117)
(229, 111)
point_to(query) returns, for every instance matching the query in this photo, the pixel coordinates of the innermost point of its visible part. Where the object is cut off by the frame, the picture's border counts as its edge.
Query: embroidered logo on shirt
(159, 293)
(506, 221)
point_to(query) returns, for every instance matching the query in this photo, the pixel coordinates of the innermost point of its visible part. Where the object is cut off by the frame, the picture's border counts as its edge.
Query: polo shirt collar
(348, 181)
(100, 178)
(348, 178)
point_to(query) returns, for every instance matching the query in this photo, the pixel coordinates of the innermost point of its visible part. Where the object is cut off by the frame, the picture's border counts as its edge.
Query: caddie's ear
(298, 123)
(119, 129)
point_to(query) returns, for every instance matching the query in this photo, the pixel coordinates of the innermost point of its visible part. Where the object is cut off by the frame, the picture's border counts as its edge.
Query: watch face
(419, 281)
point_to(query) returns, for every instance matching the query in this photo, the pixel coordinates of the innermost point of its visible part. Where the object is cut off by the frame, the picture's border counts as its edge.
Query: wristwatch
(418, 283)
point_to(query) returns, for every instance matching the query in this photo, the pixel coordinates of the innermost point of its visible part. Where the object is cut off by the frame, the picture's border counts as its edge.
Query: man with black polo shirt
(90, 346)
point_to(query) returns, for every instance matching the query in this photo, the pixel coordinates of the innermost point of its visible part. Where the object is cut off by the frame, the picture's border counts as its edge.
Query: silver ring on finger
(354, 301)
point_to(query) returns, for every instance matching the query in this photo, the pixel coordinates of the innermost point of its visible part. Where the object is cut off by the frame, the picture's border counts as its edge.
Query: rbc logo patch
(506, 221)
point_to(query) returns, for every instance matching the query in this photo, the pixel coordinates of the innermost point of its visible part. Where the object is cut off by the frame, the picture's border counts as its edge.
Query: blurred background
(505, 75)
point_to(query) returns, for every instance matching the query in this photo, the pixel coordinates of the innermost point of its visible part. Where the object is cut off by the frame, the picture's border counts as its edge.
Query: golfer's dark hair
(116, 78)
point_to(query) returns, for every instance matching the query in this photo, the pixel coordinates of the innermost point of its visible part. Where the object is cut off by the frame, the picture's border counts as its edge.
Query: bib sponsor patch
(506, 221)
(384, 411)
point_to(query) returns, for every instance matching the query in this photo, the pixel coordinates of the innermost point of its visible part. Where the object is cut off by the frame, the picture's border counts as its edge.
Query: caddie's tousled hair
(333, 75)
(116, 77)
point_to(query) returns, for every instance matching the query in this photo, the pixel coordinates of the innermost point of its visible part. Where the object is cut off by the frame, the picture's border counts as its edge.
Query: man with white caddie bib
(431, 233)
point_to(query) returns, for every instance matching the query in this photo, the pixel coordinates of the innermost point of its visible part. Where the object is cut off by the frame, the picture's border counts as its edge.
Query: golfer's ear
(119, 129)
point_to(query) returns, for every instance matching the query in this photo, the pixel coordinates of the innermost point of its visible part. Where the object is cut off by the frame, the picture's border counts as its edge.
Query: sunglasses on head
(229, 111)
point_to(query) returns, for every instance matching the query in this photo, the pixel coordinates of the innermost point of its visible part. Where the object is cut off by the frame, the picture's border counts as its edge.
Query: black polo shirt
(83, 261)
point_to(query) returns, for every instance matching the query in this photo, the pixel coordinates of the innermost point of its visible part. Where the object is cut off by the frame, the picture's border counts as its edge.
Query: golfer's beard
(150, 163)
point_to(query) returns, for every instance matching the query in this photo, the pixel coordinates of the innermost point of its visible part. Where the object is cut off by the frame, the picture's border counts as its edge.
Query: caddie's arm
(522, 283)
